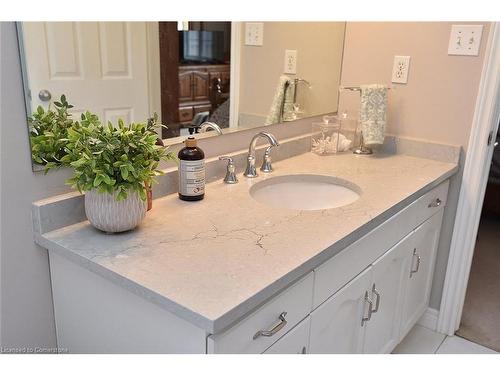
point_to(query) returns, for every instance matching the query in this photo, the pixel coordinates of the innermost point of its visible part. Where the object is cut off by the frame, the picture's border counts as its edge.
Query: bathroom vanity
(230, 274)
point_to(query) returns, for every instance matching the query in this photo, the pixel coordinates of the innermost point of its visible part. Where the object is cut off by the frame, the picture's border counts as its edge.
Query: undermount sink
(305, 192)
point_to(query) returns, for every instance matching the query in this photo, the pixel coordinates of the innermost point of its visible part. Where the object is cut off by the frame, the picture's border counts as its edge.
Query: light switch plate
(290, 61)
(400, 69)
(465, 40)
(254, 33)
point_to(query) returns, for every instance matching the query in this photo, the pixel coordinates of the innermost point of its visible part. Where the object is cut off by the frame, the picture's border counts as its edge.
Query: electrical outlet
(254, 33)
(400, 69)
(290, 61)
(465, 40)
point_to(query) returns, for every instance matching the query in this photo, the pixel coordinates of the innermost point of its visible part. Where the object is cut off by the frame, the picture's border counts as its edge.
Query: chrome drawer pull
(435, 203)
(370, 310)
(418, 262)
(273, 330)
(377, 301)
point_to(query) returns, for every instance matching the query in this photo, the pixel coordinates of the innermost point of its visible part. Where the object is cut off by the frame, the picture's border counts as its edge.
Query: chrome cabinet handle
(275, 329)
(418, 262)
(370, 310)
(435, 203)
(377, 301)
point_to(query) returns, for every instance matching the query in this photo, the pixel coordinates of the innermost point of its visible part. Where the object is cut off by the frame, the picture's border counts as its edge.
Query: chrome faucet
(210, 125)
(251, 171)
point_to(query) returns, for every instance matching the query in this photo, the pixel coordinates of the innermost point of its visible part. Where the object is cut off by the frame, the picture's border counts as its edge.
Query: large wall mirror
(236, 74)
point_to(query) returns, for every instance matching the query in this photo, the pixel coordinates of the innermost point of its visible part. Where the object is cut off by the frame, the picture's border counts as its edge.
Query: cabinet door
(419, 278)
(185, 86)
(294, 342)
(200, 85)
(336, 325)
(389, 284)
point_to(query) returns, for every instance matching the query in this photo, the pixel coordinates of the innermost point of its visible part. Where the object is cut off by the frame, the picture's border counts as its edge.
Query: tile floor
(421, 340)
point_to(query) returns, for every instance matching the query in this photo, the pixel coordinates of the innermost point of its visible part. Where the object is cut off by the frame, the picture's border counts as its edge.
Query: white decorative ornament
(109, 215)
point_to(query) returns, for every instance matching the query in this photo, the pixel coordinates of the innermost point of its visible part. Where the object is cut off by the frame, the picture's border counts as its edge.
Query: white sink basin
(305, 192)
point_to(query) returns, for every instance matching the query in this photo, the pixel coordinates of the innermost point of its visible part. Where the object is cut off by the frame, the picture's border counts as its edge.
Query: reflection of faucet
(291, 85)
(266, 166)
(210, 125)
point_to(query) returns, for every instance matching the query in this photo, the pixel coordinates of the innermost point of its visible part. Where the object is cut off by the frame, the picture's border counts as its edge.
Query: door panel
(200, 88)
(389, 284)
(100, 66)
(185, 87)
(421, 259)
(336, 324)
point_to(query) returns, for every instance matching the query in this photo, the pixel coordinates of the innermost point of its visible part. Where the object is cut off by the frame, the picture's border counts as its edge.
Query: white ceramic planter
(107, 214)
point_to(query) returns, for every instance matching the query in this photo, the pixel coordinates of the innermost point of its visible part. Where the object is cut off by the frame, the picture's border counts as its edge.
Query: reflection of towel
(372, 114)
(282, 105)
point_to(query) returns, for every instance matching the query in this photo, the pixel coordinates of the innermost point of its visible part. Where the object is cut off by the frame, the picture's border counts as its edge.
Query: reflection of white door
(100, 66)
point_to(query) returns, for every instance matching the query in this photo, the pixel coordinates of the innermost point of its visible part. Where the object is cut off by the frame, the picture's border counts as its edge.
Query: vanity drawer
(343, 267)
(432, 202)
(185, 114)
(294, 302)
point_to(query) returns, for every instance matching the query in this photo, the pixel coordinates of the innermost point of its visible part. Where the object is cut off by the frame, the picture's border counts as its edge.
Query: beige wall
(438, 102)
(319, 48)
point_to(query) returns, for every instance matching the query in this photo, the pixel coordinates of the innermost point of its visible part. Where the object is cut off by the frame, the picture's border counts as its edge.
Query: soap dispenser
(191, 172)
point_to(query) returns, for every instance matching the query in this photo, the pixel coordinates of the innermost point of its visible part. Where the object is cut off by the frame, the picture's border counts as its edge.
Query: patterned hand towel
(372, 113)
(282, 105)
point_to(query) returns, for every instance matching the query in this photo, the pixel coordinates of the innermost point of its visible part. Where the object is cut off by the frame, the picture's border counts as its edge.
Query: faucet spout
(270, 138)
(250, 170)
(210, 125)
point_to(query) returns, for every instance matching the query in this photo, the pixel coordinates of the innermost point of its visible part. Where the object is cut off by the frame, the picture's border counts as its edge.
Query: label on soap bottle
(192, 177)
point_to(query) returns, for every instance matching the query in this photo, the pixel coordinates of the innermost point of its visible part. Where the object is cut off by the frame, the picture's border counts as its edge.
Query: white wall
(436, 105)
(26, 314)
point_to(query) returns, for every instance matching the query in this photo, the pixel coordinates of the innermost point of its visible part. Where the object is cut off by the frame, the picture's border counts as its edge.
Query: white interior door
(422, 258)
(336, 325)
(100, 66)
(390, 274)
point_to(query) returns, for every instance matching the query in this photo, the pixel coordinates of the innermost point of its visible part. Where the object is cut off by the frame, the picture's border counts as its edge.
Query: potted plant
(49, 133)
(113, 166)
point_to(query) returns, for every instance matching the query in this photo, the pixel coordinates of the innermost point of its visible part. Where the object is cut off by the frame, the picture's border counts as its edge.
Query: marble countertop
(213, 261)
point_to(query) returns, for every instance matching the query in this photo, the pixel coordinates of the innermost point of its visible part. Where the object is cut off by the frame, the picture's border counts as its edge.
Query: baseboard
(429, 318)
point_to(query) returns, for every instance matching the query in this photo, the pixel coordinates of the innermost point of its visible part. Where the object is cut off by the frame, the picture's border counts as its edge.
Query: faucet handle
(266, 162)
(230, 171)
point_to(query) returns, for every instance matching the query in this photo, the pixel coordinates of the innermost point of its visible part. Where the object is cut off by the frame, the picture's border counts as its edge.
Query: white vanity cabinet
(422, 260)
(336, 324)
(365, 315)
(364, 299)
(389, 284)
(294, 342)
(373, 312)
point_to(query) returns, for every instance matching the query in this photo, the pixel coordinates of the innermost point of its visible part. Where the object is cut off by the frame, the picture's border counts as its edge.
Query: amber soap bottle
(191, 172)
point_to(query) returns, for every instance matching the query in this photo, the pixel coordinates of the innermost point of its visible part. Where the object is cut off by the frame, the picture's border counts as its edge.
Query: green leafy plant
(113, 159)
(49, 133)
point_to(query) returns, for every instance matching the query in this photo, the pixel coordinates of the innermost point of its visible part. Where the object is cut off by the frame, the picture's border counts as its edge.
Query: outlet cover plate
(400, 69)
(465, 40)
(290, 61)
(254, 33)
